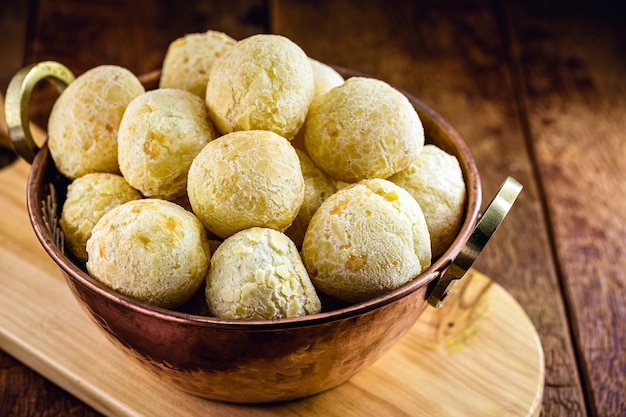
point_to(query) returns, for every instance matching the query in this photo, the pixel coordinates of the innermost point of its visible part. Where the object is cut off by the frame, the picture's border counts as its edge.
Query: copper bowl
(230, 360)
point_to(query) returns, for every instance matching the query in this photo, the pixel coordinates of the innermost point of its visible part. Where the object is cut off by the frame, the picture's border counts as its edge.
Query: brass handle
(18, 98)
(487, 225)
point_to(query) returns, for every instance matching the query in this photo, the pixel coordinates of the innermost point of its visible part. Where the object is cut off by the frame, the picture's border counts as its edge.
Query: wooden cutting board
(479, 355)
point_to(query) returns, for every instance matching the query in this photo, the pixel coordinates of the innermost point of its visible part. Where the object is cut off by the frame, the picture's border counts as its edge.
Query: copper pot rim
(85, 281)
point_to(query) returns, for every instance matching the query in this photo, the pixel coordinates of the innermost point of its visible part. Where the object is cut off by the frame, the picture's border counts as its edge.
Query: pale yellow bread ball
(152, 250)
(325, 78)
(436, 182)
(366, 240)
(84, 121)
(318, 186)
(245, 179)
(257, 273)
(88, 198)
(363, 129)
(189, 59)
(264, 82)
(160, 134)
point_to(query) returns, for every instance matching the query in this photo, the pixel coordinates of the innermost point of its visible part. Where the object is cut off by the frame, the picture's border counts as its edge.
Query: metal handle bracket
(18, 97)
(487, 225)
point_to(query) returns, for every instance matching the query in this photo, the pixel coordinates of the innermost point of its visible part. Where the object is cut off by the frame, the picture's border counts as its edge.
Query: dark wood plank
(452, 55)
(13, 21)
(571, 60)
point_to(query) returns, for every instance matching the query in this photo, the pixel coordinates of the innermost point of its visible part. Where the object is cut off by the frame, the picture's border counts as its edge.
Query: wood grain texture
(13, 17)
(13, 20)
(572, 64)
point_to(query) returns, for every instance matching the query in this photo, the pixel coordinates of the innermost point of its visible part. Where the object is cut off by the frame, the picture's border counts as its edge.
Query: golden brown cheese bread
(189, 59)
(264, 82)
(161, 132)
(363, 129)
(84, 121)
(152, 250)
(436, 182)
(88, 198)
(245, 179)
(366, 240)
(257, 273)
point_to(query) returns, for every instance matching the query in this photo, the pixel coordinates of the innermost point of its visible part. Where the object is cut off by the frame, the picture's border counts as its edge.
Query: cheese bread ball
(189, 59)
(88, 199)
(325, 78)
(436, 182)
(264, 82)
(160, 134)
(245, 179)
(363, 129)
(366, 240)
(152, 250)
(84, 121)
(318, 186)
(257, 273)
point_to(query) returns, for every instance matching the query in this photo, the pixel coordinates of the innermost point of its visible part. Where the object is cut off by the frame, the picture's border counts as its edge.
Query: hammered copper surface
(255, 361)
(256, 365)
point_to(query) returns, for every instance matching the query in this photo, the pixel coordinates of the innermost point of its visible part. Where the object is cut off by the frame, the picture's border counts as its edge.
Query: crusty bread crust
(264, 82)
(436, 182)
(245, 179)
(84, 121)
(88, 198)
(365, 240)
(161, 132)
(189, 59)
(151, 250)
(363, 129)
(258, 274)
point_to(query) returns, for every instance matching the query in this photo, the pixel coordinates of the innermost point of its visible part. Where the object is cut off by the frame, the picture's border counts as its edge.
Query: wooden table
(537, 89)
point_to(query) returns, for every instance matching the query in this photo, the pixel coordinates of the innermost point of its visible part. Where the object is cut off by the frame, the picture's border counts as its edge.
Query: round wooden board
(479, 355)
